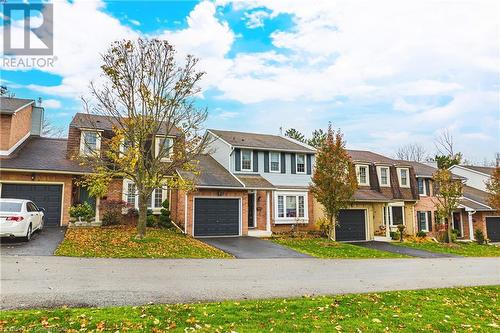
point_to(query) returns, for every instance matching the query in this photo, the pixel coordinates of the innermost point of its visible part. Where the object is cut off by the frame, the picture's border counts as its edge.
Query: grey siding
(36, 120)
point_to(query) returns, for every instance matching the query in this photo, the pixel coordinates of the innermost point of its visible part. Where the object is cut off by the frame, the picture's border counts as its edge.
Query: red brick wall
(5, 120)
(425, 204)
(310, 226)
(14, 127)
(478, 222)
(25, 177)
(73, 146)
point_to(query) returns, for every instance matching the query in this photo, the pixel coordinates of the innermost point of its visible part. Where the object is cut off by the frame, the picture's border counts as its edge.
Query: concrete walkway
(31, 282)
(42, 243)
(388, 247)
(252, 248)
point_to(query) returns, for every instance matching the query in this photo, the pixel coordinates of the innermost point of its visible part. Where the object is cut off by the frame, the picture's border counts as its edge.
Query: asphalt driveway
(252, 248)
(43, 243)
(388, 247)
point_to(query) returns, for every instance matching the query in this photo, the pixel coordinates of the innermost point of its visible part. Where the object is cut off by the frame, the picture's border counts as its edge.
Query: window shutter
(309, 164)
(255, 161)
(294, 168)
(266, 161)
(237, 159)
(429, 219)
(427, 187)
(283, 163)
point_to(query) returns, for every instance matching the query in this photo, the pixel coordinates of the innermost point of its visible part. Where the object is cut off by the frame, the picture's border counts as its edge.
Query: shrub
(324, 226)
(394, 235)
(443, 236)
(112, 211)
(82, 211)
(479, 236)
(164, 219)
(132, 213)
(421, 234)
(401, 230)
(151, 219)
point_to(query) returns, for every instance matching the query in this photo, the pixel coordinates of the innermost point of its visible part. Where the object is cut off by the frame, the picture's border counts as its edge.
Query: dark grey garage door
(493, 228)
(216, 217)
(351, 226)
(46, 196)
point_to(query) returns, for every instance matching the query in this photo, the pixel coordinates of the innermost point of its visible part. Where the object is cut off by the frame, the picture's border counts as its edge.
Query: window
(157, 197)
(384, 177)
(397, 215)
(300, 163)
(165, 147)
(90, 142)
(403, 177)
(30, 207)
(424, 221)
(421, 186)
(362, 174)
(274, 161)
(131, 195)
(246, 160)
(290, 207)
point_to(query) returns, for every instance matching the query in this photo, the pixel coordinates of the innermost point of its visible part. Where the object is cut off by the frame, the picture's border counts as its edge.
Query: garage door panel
(47, 196)
(351, 225)
(216, 217)
(493, 228)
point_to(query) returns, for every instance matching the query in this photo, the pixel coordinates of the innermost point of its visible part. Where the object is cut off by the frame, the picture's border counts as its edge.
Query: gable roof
(211, 174)
(10, 105)
(105, 123)
(371, 157)
(261, 141)
(44, 154)
(485, 170)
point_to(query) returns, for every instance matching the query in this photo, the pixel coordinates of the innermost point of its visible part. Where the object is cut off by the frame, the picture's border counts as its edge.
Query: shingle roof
(261, 141)
(9, 105)
(255, 181)
(476, 195)
(422, 170)
(105, 123)
(369, 195)
(485, 170)
(368, 156)
(44, 154)
(211, 173)
(473, 205)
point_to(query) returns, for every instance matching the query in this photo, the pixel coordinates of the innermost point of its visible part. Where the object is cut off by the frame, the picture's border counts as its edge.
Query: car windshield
(10, 206)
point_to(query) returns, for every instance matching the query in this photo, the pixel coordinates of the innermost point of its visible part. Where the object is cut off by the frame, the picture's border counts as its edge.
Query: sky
(387, 73)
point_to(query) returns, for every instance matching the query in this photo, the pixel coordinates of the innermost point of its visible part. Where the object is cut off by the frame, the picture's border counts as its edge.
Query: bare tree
(51, 131)
(150, 100)
(411, 152)
(444, 143)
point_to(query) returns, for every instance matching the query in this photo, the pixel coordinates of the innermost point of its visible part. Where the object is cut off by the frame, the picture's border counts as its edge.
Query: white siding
(220, 151)
(474, 179)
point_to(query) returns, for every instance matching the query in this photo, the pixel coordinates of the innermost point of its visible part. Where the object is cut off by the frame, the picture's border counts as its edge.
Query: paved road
(55, 281)
(252, 248)
(388, 247)
(43, 243)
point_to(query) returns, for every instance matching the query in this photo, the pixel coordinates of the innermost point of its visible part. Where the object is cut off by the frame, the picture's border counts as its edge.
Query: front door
(457, 225)
(397, 215)
(251, 210)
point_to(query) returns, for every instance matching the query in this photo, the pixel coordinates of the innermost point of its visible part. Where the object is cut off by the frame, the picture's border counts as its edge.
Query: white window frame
(157, 147)
(97, 142)
(426, 220)
(155, 210)
(251, 160)
(407, 177)
(396, 204)
(279, 161)
(358, 176)
(379, 175)
(297, 164)
(291, 220)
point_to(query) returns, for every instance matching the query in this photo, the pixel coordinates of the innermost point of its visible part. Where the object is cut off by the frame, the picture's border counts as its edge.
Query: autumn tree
(411, 152)
(334, 180)
(448, 194)
(493, 187)
(150, 100)
(317, 139)
(295, 134)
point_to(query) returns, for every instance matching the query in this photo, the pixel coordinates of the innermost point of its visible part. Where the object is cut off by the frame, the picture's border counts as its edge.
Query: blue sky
(386, 73)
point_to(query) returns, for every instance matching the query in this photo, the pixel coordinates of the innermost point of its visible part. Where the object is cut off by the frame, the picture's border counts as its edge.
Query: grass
(462, 249)
(439, 310)
(119, 242)
(323, 248)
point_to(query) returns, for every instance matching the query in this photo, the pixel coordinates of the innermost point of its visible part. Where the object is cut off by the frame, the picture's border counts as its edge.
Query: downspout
(471, 226)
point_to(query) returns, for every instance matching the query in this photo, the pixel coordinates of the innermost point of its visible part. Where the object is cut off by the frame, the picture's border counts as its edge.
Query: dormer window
(274, 161)
(300, 160)
(403, 174)
(362, 175)
(384, 177)
(90, 142)
(164, 147)
(246, 160)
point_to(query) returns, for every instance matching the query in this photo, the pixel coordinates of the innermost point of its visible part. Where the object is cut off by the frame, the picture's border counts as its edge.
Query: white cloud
(255, 19)
(135, 22)
(51, 103)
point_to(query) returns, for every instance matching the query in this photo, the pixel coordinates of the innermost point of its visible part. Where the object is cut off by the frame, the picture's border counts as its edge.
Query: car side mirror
(41, 209)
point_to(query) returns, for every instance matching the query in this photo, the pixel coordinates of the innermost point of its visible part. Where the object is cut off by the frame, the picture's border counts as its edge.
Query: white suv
(19, 218)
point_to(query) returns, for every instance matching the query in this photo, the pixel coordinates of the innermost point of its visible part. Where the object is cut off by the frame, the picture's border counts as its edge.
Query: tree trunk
(141, 222)
(331, 232)
(450, 223)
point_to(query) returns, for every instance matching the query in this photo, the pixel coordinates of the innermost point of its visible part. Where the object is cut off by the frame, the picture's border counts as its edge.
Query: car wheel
(28, 234)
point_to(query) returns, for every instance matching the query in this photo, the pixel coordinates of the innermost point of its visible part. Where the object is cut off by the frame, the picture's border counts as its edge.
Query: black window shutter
(429, 219)
(309, 164)
(266, 161)
(292, 157)
(427, 187)
(283, 163)
(237, 159)
(255, 161)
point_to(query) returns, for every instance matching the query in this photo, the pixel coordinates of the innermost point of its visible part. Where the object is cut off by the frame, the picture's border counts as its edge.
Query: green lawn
(438, 310)
(119, 242)
(323, 248)
(462, 249)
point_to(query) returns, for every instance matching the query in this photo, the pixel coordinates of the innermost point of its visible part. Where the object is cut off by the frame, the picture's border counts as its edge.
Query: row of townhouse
(249, 184)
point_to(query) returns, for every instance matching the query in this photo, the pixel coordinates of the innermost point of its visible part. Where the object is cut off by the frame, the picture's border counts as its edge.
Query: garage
(493, 228)
(47, 196)
(351, 225)
(216, 217)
